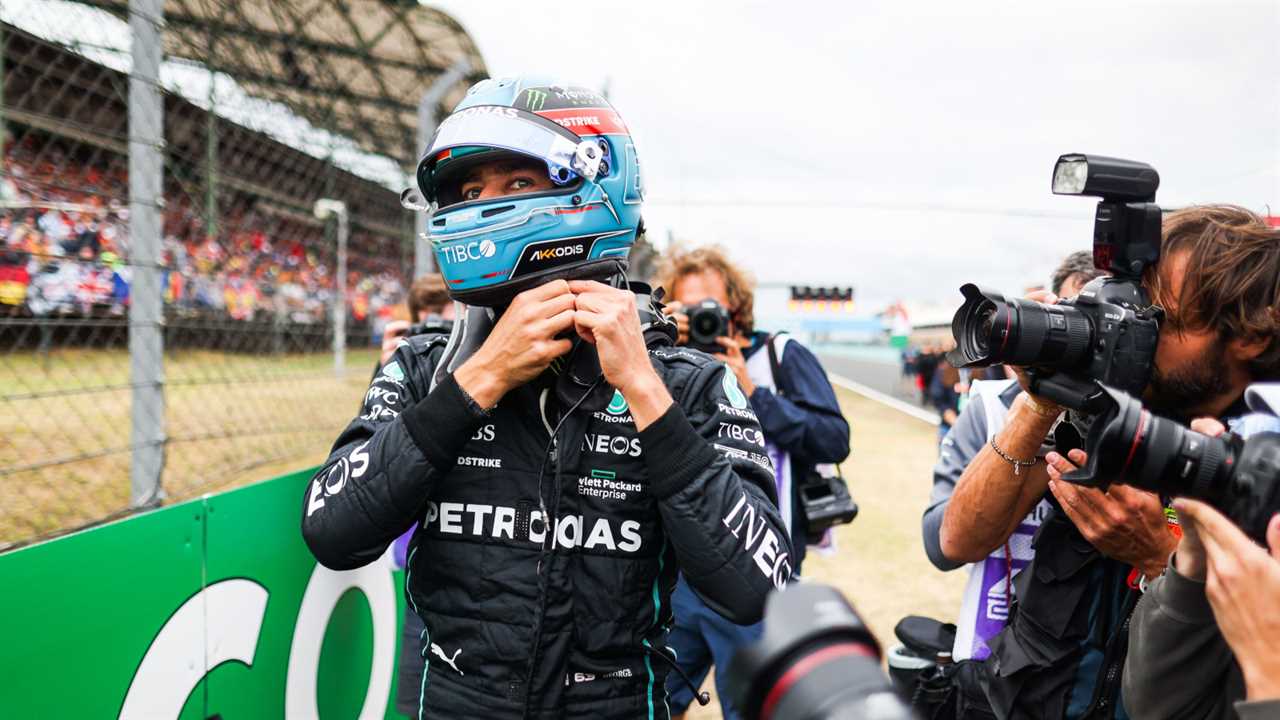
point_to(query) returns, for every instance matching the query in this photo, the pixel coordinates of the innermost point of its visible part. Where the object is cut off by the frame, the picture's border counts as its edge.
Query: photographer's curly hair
(678, 262)
(427, 294)
(1232, 283)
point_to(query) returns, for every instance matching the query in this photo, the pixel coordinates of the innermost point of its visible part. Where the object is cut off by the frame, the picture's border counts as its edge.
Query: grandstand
(64, 219)
(267, 107)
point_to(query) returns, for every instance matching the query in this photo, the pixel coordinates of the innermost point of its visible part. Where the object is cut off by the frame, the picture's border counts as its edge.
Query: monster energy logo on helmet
(535, 99)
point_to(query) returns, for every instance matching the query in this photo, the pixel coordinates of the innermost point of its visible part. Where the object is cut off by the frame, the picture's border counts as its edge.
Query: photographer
(1064, 649)
(563, 461)
(985, 604)
(802, 426)
(1205, 638)
(430, 310)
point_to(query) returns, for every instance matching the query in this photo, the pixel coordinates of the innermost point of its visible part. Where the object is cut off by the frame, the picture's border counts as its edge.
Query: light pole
(324, 208)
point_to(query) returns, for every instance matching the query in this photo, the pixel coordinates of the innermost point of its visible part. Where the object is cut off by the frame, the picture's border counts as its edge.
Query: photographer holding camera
(430, 310)
(562, 461)
(712, 301)
(1205, 638)
(984, 608)
(1064, 649)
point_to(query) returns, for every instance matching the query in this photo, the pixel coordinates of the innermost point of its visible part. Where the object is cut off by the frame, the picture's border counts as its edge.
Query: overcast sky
(906, 147)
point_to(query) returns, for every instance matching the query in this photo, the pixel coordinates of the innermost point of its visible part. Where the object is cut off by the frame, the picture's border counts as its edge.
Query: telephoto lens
(1239, 477)
(708, 320)
(815, 661)
(991, 329)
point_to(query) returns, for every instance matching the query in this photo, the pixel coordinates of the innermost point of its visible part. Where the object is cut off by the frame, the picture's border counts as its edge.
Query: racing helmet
(489, 250)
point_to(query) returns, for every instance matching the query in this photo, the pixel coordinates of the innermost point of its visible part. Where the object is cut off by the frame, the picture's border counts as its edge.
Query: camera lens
(1239, 477)
(1158, 454)
(983, 329)
(704, 326)
(990, 329)
(816, 660)
(707, 321)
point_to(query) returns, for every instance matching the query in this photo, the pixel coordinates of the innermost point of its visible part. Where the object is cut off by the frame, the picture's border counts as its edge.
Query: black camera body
(826, 502)
(433, 323)
(1107, 334)
(1128, 444)
(708, 320)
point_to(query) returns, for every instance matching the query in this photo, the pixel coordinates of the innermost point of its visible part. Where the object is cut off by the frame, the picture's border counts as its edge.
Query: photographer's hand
(607, 318)
(1243, 587)
(521, 345)
(391, 335)
(732, 356)
(1122, 523)
(675, 309)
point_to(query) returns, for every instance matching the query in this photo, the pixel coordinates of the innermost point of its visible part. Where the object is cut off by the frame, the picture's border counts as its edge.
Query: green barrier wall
(212, 608)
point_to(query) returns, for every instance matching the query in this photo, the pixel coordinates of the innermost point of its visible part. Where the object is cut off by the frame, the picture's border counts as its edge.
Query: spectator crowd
(65, 251)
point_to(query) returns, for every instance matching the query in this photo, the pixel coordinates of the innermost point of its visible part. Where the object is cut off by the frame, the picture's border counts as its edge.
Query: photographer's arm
(967, 436)
(990, 499)
(1172, 635)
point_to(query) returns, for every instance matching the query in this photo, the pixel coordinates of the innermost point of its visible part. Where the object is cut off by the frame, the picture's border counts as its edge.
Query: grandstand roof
(55, 90)
(355, 67)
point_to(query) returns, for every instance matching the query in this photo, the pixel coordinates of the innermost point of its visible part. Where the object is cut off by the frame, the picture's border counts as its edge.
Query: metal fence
(168, 271)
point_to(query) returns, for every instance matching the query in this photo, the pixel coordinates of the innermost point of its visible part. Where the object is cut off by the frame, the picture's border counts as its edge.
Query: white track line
(893, 402)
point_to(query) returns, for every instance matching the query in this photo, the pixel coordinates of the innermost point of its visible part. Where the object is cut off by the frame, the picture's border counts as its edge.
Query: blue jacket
(807, 423)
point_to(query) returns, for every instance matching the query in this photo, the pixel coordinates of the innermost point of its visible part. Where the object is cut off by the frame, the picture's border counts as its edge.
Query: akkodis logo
(469, 251)
(558, 252)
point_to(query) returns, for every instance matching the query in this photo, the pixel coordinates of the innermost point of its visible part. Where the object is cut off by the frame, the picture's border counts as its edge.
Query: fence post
(146, 301)
(324, 209)
(423, 262)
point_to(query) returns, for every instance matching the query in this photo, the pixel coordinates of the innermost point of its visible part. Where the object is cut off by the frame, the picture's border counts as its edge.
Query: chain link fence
(251, 381)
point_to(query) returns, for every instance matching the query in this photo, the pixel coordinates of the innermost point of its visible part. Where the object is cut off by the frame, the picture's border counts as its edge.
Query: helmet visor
(501, 128)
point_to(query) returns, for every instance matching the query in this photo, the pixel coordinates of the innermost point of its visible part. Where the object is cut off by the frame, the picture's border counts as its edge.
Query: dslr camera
(708, 320)
(815, 661)
(1106, 335)
(1241, 478)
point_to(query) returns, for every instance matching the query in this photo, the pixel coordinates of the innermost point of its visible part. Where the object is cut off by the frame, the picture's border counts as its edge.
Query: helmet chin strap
(472, 326)
(474, 323)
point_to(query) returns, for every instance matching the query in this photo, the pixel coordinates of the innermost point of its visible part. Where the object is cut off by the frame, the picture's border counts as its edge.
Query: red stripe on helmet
(588, 121)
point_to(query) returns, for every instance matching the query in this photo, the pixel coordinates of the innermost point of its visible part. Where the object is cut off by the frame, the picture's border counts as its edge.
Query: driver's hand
(675, 309)
(524, 341)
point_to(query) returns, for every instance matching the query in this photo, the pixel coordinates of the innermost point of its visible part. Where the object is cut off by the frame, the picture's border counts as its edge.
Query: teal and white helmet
(491, 249)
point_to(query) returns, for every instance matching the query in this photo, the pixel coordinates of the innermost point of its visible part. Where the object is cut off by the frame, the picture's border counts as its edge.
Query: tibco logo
(469, 251)
(559, 252)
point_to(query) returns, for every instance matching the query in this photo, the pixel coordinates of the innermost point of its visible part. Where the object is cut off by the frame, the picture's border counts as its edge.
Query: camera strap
(775, 367)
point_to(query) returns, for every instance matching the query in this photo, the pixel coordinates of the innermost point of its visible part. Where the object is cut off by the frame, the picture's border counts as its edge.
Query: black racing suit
(518, 625)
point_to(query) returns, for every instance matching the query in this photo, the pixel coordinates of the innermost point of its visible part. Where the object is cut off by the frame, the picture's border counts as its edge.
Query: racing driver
(563, 460)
